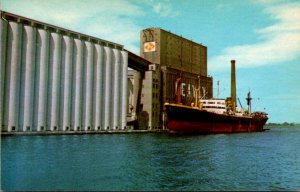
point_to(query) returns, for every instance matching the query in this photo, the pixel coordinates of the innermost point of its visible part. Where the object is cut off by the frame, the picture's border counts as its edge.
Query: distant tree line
(284, 124)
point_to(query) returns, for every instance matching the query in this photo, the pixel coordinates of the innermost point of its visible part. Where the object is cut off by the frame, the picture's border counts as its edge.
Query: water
(252, 161)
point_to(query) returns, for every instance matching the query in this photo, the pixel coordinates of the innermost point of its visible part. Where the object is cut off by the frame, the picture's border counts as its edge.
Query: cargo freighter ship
(213, 115)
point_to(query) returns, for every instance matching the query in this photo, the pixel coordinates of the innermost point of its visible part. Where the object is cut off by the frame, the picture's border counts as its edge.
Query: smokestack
(233, 85)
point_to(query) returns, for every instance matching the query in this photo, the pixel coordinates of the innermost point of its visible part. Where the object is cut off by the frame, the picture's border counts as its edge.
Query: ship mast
(249, 102)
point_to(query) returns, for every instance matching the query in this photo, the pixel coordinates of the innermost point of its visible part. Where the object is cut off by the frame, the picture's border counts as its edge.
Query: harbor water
(267, 160)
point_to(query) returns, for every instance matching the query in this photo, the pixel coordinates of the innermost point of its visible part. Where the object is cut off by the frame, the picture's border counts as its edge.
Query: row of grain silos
(56, 81)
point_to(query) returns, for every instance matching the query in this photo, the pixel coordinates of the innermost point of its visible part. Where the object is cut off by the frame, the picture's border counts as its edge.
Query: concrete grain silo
(54, 79)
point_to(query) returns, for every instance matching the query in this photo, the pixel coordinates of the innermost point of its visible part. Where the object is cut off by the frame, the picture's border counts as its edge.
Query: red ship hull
(185, 119)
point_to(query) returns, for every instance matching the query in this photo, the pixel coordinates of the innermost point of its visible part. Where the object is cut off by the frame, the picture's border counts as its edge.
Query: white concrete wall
(50, 81)
(67, 66)
(41, 81)
(55, 80)
(12, 77)
(88, 91)
(99, 88)
(107, 88)
(116, 89)
(28, 76)
(124, 96)
(3, 48)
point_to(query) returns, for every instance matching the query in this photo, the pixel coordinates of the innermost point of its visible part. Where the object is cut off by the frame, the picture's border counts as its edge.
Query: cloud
(223, 7)
(109, 20)
(120, 30)
(163, 8)
(279, 42)
(112, 20)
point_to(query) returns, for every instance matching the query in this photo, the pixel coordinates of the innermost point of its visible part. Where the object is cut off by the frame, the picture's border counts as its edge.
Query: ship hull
(184, 119)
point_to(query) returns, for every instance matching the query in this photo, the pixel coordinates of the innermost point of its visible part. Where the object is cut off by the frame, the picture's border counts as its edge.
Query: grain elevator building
(173, 57)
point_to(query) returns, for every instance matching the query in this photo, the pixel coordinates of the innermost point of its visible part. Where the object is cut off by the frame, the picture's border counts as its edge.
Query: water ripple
(255, 161)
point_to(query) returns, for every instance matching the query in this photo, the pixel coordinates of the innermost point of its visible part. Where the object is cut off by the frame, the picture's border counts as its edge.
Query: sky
(263, 36)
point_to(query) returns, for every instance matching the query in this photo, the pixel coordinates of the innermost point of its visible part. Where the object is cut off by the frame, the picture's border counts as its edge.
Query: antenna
(204, 93)
(218, 90)
(240, 103)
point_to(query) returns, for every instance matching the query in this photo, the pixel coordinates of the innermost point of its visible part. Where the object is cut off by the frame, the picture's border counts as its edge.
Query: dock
(44, 133)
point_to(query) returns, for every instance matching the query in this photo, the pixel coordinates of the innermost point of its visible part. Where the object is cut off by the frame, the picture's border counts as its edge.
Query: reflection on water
(251, 161)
